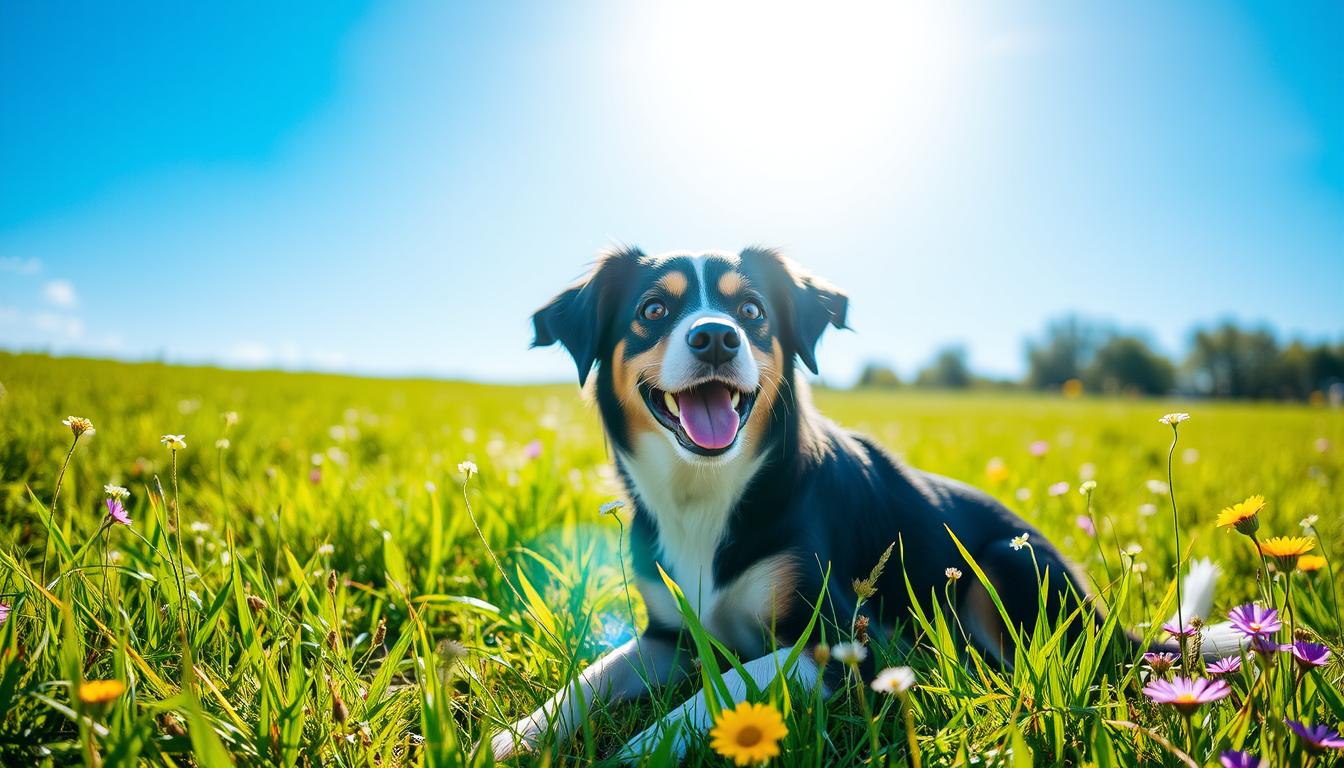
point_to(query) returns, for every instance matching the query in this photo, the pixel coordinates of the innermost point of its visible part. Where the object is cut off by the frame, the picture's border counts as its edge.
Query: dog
(747, 497)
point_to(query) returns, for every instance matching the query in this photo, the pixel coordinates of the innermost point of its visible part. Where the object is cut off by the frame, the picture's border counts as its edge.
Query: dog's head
(698, 347)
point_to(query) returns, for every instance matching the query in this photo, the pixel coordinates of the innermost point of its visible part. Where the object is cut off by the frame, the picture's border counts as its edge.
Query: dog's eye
(653, 309)
(751, 310)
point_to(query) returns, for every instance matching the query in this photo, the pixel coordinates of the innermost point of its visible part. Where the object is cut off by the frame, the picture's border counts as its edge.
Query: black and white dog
(745, 495)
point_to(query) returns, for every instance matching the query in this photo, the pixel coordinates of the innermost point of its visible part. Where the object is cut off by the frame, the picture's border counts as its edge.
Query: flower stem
(1176, 527)
(909, 717)
(51, 511)
(181, 561)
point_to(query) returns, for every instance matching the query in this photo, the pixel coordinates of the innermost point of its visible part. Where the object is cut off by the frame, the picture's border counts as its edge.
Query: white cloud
(64, 327)
(249, 354)
(19, 266)
(60, 293)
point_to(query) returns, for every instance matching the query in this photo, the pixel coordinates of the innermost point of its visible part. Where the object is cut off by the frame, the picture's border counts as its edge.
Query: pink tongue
(708, 416)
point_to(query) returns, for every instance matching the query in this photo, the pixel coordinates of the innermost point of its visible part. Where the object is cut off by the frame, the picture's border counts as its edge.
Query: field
(341, 609)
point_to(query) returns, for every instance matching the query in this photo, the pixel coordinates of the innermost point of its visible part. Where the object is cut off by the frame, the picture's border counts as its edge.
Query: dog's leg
(693, 718)
(618, 676)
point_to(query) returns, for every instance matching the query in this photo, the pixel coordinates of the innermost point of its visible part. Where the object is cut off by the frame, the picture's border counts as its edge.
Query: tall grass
(217, 609)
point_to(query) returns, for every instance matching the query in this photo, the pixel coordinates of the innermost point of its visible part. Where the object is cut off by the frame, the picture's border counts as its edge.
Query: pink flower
(532, 450)
(1186, 694)
(1039, 448)
(1254, 620)
(1085, 523)
(117, 513)
(1225, 666)
(4, 612)
(1058, 489)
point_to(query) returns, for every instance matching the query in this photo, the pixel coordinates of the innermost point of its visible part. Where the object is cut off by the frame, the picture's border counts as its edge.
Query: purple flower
(1254, 620)
(1225, 666)
(1234, 759)
(1309, 655)
(4, 612)
(1175, 631)
(117, 513)
(1084, 522)
(1186, 694)
(1316, 737)
(1160, 662)
(1039, 448)
(532, 450)
(1058, 489)
(1266, 646)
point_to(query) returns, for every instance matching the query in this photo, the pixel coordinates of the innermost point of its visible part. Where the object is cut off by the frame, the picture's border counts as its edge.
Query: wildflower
(821, 653)
(1321, 444)
(1023, 494)
(1085, 523)
(222, 443)
(230, 418)
(1253, 620)
(467, 468)
(996, 471)
(117, 513)
(1190, 455)
(532, 450)
(1309, 522)
(1316, 737)
(1087, 472)
(1244, 517)
(952, 574)
(894, 680)
(861, 629)
(1087, 487)
(1310, 563)
(1235, 759)
(611, 507)
(1309, 655)
(1225, 666)
(116, 492)
(379, 633)
(1019, 541)
(1147, 510)
(1186, 694)
(1157, 487)
(1159, 663)
(4, 612)
(174, 442)
(1058, 489)
(101, 691)
(1133, 549)
(1266, 645)
(849, 654)
(1172, 419)
(1286, 549)
(1038, 448)
(326, 549)
(199, 526)
(79, 425)
(1189, 630)
(749, 734)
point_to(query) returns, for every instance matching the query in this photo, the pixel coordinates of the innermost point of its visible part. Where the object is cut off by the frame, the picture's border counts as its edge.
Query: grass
(340, 609)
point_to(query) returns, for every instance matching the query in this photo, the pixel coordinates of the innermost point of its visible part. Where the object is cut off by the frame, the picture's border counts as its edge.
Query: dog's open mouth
(706, 417)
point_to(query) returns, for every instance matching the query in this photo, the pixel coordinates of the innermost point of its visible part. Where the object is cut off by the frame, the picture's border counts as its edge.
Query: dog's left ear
(814, 303)
(576, 317)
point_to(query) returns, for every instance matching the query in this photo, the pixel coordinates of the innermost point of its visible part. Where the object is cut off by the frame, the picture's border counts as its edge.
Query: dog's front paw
(647, 742)
(518, 739)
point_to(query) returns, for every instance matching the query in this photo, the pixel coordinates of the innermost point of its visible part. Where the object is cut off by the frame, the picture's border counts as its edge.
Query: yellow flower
(1310, 563)
(1287, 548)
(101, 691)
(748, 735)
(1243, 516)
(996, 470)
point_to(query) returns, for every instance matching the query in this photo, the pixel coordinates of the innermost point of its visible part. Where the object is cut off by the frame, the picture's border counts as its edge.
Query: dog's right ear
(577, 317)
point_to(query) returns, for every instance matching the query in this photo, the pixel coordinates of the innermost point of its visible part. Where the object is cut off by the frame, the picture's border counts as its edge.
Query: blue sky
(393, 188)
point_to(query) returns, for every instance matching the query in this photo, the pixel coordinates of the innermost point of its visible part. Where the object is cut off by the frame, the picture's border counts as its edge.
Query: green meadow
(303, 584)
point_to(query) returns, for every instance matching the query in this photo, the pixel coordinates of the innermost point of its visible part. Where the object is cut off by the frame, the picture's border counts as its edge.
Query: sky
(393, 188)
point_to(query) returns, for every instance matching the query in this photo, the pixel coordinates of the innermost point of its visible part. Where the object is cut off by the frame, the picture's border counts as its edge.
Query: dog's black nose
(713, 341)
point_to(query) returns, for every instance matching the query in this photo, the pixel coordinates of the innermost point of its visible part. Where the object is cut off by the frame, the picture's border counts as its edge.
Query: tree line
(1075, 354)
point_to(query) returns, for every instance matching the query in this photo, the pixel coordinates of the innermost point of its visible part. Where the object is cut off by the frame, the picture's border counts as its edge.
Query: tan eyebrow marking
(675, 283)
(639, 330)
(730, 283)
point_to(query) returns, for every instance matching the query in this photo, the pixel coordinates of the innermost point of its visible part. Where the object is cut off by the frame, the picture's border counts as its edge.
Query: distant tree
(1227, 361)
(1127, 364)
(947, 371)
(1067, 348)
(878, 376)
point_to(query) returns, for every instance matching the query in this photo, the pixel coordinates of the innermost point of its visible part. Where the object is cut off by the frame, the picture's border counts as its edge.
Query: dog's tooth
(737, 398)
(671, 403)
